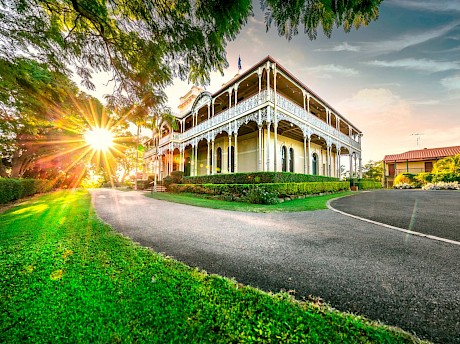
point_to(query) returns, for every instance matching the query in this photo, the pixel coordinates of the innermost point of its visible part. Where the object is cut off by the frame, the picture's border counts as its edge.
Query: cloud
(326, 71)
(341, 47)
(451, 83)
(425, 65)
(408, 40)
(432, 6)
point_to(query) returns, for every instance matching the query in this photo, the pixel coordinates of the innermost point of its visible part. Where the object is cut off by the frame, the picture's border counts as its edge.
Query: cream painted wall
(247, 154)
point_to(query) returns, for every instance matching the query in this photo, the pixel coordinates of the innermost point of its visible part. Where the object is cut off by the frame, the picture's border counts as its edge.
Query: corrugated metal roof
(423, 154)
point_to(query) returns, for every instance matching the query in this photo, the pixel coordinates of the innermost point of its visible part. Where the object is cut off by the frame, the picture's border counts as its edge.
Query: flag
(239, 63)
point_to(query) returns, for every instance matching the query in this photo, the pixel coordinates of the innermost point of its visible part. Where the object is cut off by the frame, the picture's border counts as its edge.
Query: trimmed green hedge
(366, 184)
(282, 189)
(256, 178)
(13, 189)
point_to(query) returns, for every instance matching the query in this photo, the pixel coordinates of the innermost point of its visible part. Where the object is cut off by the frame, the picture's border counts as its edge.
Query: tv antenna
(418, 138)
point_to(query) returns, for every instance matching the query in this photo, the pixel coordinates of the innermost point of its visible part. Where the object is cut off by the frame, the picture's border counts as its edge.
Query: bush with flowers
(442, 186)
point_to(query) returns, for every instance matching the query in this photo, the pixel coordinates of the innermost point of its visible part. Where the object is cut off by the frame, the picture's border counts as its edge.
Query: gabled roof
(423, 154)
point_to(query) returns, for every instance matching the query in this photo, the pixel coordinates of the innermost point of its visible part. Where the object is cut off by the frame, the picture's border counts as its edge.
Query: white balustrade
(251, 103)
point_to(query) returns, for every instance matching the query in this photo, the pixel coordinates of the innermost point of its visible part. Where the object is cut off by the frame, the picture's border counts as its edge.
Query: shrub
(366, 184)
(402, 178)
(442, 186)
(424, 178)
(260, 195)
(174, 178)
(266, 190)
(13, 189)
(256, 178)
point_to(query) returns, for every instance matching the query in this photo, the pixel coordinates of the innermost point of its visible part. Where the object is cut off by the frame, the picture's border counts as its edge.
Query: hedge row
(256, 178)
(13, 189)
(364, 184)
(281, 189)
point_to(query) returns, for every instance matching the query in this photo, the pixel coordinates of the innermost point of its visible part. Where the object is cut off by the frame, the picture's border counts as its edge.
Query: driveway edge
(407, 231)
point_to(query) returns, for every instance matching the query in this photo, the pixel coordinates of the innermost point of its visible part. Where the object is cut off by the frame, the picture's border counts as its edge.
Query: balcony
(252, 103)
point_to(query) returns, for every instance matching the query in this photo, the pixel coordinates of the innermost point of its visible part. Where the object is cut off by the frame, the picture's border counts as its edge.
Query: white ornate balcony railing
(300, 112)
(250, 104)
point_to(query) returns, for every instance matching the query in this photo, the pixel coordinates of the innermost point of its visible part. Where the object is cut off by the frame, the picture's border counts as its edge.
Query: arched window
(284, 159)
(187, 166)
(314, 164)
(231, 159)
(219, 160)
(291, 159)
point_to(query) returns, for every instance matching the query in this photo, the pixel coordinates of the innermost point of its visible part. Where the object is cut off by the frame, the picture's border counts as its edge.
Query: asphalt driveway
(407, 281)
(429, 212)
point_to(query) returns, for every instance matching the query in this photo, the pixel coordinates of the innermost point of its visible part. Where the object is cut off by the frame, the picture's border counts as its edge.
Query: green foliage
(366, 184)
(373, 170)
(309, 15)
(300, 203)
(66, 276)
(260, 195)
(256, 178)
(268, 190)
(447, 165)
(402, 178)
(174, 178)
(14, 189)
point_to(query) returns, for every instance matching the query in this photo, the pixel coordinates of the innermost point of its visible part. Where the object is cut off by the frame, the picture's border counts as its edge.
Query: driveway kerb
(407, 231)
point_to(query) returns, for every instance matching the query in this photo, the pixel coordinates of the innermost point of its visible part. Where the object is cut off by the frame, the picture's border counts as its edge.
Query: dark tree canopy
(148, 42)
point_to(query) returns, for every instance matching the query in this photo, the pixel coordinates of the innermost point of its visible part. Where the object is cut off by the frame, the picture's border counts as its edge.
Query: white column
(338, 164)
(208, 169)
(259, 150)
(310, 171)
(360, 171)
(259, 74)
(275, 125)
(351, 164)
(196, 159)
(268, 81)
(305, 167)
(229, 99)
(328, 155)
(268, 146)
(229, 150)
(209, 111)
(308, 102)
(213, 106)
(213, 160)
(236, 152)
(304, 102)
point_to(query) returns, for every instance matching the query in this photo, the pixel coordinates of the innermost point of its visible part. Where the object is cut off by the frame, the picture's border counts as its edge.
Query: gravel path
(407, 281)
(429, 212)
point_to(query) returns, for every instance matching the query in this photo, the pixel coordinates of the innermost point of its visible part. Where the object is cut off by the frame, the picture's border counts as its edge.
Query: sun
(99, 139)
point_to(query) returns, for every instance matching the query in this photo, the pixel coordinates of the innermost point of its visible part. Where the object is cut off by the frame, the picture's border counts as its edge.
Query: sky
(397, 77)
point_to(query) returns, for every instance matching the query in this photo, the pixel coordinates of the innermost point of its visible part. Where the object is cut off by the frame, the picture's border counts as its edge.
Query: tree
(150, 42)
(43, 116)
(450, 164)
(373, 170)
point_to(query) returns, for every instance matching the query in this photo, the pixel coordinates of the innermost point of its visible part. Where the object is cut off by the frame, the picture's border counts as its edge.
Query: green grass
(66, 277)
(306, 204)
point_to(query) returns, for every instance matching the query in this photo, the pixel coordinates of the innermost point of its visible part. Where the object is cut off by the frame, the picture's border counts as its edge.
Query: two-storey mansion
(262, 120)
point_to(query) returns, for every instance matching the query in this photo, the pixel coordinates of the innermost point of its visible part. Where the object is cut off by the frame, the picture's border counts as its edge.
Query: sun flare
(99, 139)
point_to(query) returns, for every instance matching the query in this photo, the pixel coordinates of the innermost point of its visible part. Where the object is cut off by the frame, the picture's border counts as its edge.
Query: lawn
(305, 204)
(66, 277)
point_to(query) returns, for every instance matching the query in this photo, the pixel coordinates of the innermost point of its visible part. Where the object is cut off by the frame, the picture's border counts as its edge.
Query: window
(219, 160)
(291, 159)
(428, 166)
(231, 159)
(314, 164)
(284, 158)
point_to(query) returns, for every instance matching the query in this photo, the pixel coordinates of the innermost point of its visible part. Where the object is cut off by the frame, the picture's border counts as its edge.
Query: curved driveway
(434, 213)
(410, 282)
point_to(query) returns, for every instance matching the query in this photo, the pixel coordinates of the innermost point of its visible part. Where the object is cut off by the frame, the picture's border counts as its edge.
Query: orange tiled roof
(423, 154)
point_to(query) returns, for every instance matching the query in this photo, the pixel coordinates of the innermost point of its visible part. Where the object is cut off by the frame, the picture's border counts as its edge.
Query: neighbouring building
(264, 119)
(415, 161)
